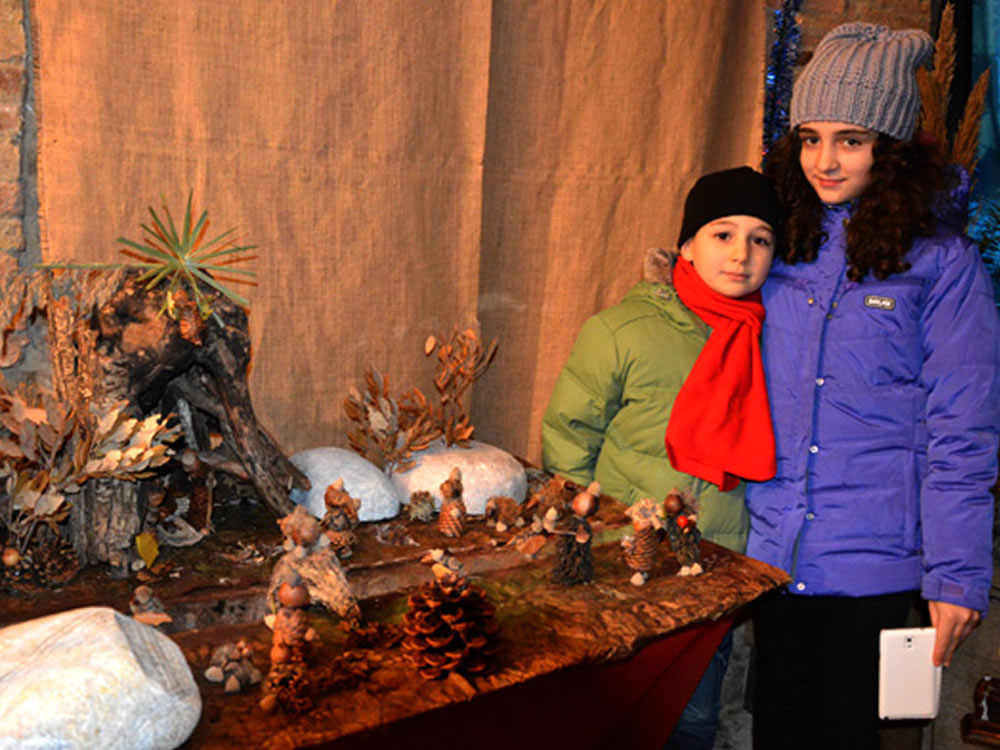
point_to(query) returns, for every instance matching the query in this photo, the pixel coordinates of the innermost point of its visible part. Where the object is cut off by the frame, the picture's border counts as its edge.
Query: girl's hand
(953, 624)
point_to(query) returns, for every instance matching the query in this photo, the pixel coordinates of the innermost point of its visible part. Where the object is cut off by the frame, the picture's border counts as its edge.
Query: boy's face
(836, 159)
(732, 254)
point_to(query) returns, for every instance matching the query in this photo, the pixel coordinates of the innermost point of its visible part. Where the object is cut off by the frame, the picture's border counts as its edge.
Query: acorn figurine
(503, 512)
(574, 556)
(341, 518)
(288, 685)
(451, 521)
(682, 531)
(640, 550)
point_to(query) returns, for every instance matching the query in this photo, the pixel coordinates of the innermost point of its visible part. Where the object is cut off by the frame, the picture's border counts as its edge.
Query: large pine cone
(449, 627)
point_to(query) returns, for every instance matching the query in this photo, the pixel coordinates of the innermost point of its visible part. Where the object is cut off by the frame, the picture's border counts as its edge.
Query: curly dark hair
(897, 205)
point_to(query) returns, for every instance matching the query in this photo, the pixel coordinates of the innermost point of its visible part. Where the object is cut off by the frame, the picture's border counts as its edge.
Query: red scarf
(720, 425)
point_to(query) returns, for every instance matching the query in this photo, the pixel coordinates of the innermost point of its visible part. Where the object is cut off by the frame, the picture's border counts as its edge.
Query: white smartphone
(909, 685)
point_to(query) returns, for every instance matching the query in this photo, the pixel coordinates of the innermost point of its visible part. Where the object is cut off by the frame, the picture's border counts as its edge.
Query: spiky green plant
(181, 258)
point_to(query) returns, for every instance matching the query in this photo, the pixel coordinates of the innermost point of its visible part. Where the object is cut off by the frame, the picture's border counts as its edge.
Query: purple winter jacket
(885, 397)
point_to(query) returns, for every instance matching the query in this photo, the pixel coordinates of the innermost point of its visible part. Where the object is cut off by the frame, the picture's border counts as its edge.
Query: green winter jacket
(608, 414)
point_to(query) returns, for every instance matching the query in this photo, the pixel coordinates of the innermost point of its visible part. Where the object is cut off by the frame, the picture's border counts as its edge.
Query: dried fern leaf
(966, 144)
(932, 112)
(944, 54)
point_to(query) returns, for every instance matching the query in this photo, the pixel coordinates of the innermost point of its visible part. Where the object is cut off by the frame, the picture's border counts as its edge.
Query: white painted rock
(486, 471)
(362, 479)
(93, 678)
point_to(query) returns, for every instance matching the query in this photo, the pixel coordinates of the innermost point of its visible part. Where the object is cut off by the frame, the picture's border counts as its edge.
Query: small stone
(232, 684)
(214, 674)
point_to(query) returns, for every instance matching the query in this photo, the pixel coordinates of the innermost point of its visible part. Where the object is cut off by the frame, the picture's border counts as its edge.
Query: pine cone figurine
(342, 542)
(341, 508)
(574, 558)
(682, 531)
(640, 551)
(449, 627)
(503, 512)
(557, 493)
(451, 522)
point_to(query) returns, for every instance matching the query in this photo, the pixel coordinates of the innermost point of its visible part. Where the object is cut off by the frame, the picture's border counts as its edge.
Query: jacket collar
(657, 287)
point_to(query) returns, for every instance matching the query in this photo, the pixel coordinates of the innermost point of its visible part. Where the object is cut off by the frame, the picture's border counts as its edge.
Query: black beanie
(732, 192)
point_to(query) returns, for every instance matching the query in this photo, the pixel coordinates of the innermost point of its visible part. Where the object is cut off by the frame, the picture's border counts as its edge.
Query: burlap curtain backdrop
(404, 166)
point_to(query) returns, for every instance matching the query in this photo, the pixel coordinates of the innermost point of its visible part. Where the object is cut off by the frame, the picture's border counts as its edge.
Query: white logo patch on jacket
(879, 302)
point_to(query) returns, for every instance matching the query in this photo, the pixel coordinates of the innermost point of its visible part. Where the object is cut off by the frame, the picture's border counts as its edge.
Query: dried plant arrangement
(461, 361)
(387, 431)
(49, 449)
(935, 87)
(182, 258)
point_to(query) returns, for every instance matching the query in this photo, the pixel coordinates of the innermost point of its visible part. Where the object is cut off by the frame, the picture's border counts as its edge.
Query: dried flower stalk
(935, 97)
(966, 144)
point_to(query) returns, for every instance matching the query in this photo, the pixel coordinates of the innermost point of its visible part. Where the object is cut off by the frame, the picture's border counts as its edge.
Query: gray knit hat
(864, 75)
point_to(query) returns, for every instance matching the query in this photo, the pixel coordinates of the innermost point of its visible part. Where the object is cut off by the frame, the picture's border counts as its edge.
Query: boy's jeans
(695, 730)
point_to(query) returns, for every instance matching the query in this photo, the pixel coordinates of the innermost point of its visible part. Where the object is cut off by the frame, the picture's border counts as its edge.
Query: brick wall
(13, 82)
(819, 16)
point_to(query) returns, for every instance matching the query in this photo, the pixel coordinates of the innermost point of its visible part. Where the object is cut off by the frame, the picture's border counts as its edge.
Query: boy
(627, 378)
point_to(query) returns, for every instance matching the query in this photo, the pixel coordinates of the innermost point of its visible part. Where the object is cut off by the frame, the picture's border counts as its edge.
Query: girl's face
(836, 159)
(732, 254)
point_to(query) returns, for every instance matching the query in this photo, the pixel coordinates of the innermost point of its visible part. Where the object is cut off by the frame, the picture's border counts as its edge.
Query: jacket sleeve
(586, 397)
(961, 372)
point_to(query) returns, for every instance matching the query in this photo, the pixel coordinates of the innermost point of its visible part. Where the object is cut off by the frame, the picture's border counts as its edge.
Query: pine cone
(451, 522)
(574, 559)
(640, 554)
(449, 627)
(421, 506)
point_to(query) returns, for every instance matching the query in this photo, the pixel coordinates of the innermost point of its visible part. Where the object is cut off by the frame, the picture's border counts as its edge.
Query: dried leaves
(48, 450)
(387, 431)
(935, 93)
(461, 360)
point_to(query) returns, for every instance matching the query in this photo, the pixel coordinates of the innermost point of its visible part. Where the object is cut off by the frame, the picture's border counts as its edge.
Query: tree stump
(109, 340)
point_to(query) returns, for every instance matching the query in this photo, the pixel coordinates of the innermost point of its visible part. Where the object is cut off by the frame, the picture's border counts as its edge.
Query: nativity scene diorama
(145, 510)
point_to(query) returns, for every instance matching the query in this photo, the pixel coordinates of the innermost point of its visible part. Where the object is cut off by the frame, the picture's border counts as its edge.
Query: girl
(882, 353)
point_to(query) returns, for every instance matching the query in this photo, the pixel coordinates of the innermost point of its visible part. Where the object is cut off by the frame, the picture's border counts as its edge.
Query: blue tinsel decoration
(778, 80)
(984, 228)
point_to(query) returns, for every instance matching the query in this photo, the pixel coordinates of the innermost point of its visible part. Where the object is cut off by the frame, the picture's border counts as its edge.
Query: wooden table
(606, 664)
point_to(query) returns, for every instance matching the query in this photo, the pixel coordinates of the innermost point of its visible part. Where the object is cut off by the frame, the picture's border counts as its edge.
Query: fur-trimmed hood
(658, 266)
